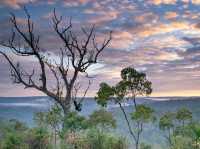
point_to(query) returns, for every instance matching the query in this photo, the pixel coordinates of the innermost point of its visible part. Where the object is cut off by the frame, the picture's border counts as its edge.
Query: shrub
(145, 146)
(38, 138)
(102, 119)
(13, 141)
(180, 142)
(74, 122)
(96, 139)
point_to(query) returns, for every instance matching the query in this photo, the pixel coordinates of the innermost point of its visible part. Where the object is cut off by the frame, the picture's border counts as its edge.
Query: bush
(145, 146)
(38, 138)
(74, 122)
(12, 134)
(180, 142)
(102, 119)
(12, 141)
(95, 139)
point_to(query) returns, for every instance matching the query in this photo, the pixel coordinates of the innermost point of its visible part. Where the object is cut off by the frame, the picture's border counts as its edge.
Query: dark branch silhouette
(75, 56)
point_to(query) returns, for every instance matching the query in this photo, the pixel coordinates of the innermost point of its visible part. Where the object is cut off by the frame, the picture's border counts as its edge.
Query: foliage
(167, 121)
(184, 136)
(95, 139)
(54, 117)
(145, 146)
(102, 118)
(137, 82)
(183, 115)
(102, 140)
(74, 122)
(40, 119)
(83, 133)
(13, 141)
(104, 93)
(180, 142)
(38, 138)
(12, 134)
(133, 82)
(143, 114)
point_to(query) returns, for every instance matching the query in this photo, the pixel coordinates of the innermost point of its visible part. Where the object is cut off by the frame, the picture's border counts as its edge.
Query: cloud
(75, 3)
(159, 2)
(173, 2)
(168, 56)
(161, 28)
(103, 17)
(16, 4)
(146, 17)
(121, 40)
(197, 2)
(171, 15)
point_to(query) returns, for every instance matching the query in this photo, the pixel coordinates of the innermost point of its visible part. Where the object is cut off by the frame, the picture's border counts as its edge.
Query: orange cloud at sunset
(16, 3)
(170, 15)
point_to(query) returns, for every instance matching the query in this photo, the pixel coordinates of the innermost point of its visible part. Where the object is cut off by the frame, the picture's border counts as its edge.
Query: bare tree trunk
(127, 121)
(134, 100)
(55, 138)
(137, 144)
(67, 105)
(137, 141)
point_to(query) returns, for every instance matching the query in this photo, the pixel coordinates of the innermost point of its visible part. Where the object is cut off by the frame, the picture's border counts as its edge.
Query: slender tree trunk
(127, 121)
(134, 100)
(67, 101)
(66, 107)
(137, 144)
(55, 138)
(169, 138)
(137, 140)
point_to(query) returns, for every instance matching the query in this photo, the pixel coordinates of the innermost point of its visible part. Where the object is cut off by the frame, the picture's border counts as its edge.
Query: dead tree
(75, 55)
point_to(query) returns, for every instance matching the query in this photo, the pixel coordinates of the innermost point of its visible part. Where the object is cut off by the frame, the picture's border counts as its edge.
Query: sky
(158, 37)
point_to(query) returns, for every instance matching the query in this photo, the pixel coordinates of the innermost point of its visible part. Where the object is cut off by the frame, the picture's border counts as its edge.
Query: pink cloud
(74, 3)
(16, 4)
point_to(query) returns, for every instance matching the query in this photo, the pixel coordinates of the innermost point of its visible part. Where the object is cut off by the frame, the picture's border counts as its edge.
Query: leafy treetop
(133, 84)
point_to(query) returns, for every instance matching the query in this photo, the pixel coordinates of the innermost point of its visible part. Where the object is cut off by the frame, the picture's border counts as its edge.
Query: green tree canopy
(143, 114)
(74, 122)
(104, 94)
(133, 83)
(102, 118)
(137, 83)
(167, 121)
(183, 115)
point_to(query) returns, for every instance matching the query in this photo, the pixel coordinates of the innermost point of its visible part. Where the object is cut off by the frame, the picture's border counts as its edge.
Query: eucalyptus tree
(136, 83)
(183, 115)
(167, 124)
(54, 118)
(102, 119)
(142, 115)
(133, 84)
(76, 54)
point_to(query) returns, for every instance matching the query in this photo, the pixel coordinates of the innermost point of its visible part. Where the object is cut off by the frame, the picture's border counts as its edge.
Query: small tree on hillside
(133, 83)
(142, 115)
(102, 119)
(76, 55)
(136, 83)
(54, 119)
(183, 115)
(167, 124)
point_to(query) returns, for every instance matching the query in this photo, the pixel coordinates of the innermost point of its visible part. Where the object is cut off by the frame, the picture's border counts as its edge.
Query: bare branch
(76, 56)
